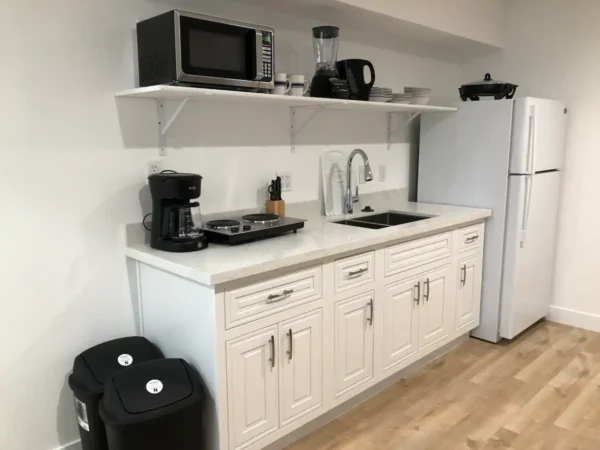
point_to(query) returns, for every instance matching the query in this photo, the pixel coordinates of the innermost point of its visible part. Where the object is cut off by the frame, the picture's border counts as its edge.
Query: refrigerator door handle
(526, 208)
(531, 142)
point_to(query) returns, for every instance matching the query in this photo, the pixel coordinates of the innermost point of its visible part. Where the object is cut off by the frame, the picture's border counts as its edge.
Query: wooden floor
(541, 391)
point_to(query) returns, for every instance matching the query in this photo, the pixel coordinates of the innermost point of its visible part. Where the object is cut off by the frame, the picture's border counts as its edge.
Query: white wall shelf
(186, 94)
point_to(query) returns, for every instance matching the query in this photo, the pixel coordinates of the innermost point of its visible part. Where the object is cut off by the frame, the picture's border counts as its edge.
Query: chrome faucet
(350, 199)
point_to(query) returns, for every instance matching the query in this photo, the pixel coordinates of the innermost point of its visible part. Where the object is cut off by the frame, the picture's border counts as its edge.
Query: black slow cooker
(487, 88)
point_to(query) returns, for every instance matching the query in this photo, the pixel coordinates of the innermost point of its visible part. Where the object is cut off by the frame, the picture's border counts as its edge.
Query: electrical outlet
(154, 167)
(361, 175)
(382, 172)
(286, 181)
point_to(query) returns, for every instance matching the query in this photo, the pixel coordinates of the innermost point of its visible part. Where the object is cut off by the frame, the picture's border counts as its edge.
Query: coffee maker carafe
(176, 221)
(326, 83)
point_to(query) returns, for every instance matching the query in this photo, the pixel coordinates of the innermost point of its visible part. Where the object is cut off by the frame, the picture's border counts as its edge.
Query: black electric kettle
(353, 71)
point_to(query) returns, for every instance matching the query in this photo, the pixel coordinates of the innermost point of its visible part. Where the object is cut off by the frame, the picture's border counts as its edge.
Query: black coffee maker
(174, 227)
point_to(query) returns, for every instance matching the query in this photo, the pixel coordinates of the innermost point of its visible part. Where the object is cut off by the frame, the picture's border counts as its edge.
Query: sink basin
(383, 220)
(391, 218)
(357, 223)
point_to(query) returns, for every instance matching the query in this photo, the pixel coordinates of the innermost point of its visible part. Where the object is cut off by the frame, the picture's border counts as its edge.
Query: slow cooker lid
(487, 81)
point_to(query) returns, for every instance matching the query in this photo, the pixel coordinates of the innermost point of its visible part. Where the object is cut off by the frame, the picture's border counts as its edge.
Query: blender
(326, 83)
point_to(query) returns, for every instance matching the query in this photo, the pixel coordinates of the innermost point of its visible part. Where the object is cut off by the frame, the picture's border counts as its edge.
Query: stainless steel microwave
(185, 48)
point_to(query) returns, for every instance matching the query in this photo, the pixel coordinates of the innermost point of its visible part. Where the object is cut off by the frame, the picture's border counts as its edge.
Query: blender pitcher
(326, 83)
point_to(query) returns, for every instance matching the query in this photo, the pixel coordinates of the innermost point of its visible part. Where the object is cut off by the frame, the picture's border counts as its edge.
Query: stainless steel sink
(383, 220)
(358, 223)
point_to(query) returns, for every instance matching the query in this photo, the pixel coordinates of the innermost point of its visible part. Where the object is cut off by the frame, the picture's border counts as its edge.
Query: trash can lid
(149, 386)
(94, 366)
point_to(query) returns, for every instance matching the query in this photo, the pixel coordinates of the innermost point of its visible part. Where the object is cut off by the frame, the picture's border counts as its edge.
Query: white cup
(299, 85)
(282, 84)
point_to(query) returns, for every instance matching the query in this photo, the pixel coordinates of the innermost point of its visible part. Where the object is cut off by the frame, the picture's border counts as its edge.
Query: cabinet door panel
(353, 342)
(436, 302)
(252, 387)
(468, 296)
(301, 376)
(401, 322)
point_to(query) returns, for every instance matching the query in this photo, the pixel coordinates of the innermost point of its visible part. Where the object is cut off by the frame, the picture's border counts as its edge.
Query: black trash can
(156, 405)
(91, 369)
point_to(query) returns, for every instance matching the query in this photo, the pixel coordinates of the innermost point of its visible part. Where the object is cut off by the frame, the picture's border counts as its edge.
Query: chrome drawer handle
(356, 273)
(426, 295)
(290, 352)
(272, 358)
(463, 274)
(274, 298)
(472, 239)
(418, 292)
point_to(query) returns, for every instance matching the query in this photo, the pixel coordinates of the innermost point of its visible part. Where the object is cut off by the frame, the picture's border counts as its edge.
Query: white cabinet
(401, 321)
(437, 299)
(353, 347)
(252, 384)
(274, 377)
(468, 294)
(278, 351)
(301, 374)
(418, 314)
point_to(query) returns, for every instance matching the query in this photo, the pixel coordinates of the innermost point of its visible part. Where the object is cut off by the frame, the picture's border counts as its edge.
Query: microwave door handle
(259, 56)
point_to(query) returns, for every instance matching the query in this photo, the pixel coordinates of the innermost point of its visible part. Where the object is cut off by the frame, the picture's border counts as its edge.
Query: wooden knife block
(275, 207)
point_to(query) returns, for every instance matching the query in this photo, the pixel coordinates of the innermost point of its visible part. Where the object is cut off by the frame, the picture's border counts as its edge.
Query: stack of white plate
(381, 95)
(420, 96)
(405, 99)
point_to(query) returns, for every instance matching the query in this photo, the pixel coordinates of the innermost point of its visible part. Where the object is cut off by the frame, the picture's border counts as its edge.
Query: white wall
(552, 49)
(73, 173)
(472, 19)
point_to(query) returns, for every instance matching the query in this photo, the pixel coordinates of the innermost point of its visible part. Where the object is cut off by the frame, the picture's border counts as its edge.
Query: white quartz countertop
(320, 238)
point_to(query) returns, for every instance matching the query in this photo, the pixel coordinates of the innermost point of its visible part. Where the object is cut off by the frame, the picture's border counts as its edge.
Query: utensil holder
(276, 207)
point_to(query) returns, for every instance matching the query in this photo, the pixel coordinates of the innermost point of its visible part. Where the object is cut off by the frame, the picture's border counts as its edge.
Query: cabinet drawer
(258, 300)
(470, 238)
(354, 271)
(410, 255)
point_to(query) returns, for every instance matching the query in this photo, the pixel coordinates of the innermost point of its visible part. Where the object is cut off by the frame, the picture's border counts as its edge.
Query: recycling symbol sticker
(154, 387)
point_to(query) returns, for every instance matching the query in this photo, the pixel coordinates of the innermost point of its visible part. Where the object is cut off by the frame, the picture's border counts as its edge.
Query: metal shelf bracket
(296, 128)
(165, 124)
(391, 131)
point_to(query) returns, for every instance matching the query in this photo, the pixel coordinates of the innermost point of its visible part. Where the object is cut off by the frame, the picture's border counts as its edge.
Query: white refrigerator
(505, 155)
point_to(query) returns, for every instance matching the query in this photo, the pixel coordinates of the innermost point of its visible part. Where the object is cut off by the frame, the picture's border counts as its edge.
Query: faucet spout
(368, 174)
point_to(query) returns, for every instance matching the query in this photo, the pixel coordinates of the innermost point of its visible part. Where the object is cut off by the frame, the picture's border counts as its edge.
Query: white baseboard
(574, 318)
(75, 445)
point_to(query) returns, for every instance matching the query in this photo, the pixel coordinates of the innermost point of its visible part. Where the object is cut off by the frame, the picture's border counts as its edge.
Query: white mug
(299, 85)
(282, 84)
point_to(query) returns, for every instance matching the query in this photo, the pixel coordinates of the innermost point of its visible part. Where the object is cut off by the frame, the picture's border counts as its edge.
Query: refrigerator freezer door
(538, 139)
(463, 160)
(529, 251)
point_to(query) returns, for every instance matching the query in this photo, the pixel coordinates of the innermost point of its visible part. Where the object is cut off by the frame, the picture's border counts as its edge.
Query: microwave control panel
(268, 55)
